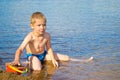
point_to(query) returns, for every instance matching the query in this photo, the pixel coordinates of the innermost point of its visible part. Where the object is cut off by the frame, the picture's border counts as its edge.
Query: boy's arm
(20, 49)
(50, 51)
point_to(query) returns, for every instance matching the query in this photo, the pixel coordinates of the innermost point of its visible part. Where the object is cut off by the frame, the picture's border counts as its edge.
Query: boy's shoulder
(47, 34)
(30, 34)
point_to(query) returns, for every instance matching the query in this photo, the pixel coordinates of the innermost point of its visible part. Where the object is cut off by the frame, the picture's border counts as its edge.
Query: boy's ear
(31, 25)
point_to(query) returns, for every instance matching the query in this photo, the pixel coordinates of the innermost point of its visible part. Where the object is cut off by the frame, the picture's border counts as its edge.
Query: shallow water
(79, 28)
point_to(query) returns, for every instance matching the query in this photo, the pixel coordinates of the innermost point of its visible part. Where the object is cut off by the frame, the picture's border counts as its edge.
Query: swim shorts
(41, 57)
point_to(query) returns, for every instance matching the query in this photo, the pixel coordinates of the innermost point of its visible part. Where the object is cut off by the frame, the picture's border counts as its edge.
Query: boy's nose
(41, 26)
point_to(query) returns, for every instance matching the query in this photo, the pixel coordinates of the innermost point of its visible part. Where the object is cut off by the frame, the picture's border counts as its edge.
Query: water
(79, 28)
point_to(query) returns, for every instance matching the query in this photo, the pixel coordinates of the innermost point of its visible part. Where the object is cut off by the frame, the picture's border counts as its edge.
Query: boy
(38, 44)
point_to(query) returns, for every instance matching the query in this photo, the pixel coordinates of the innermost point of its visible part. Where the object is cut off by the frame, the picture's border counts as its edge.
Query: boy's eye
(39, 25)
(42, 25)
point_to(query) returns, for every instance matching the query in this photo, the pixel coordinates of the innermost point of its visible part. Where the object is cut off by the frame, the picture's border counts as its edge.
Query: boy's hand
(16, 62)
(55, 63)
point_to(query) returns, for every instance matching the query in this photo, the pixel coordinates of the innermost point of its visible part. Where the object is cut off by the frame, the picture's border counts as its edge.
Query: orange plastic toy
(14, 69)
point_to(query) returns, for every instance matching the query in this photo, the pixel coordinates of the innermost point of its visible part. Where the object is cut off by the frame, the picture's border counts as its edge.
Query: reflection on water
(48, 71)
(79, 28)
(45, 74)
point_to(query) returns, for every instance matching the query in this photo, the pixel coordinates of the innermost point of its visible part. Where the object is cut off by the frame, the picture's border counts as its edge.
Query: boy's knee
(35, 63)
(36, 69)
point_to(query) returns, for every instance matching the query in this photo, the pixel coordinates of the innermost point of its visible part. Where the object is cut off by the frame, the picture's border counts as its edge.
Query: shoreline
(32, 75)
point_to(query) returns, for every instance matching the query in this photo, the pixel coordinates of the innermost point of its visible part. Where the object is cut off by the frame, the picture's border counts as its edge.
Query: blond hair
(37, 15)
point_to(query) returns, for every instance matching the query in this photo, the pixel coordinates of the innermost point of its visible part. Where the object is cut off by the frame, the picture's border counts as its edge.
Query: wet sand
(46, 73)
(94, 70)
(11, 76)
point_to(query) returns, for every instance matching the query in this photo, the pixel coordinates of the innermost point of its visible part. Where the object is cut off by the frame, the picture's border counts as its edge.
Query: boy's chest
(39, 42)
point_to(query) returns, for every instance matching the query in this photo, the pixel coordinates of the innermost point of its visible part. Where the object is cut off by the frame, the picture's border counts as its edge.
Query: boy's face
(39, 26)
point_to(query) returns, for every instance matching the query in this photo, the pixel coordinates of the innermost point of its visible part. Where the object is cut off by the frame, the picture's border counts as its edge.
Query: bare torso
(37, 44)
